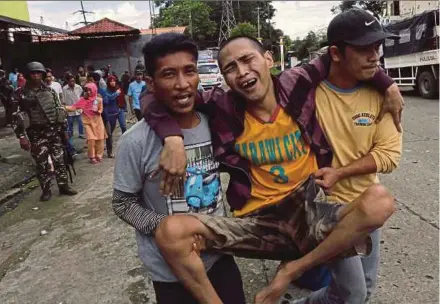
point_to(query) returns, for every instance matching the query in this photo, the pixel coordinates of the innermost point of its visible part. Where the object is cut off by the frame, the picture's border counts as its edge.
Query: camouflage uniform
(6, 91)
(47, 124)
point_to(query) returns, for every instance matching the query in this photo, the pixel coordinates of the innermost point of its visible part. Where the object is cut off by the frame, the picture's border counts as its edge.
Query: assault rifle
(68, 157)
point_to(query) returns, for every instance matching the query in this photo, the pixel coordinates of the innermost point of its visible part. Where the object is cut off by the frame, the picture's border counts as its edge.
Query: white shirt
(56, 87)
(71, 96)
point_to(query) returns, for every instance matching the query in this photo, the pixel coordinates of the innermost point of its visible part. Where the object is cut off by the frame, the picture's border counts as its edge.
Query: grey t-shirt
(138, 157)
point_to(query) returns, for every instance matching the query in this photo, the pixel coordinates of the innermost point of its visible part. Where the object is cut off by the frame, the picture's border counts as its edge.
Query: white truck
(209, 73)
(413, 61)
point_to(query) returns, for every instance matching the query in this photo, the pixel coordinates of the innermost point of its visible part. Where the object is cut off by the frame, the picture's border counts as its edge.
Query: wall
(416, 7)
(59, 55)
(409, 8)
(15, 9)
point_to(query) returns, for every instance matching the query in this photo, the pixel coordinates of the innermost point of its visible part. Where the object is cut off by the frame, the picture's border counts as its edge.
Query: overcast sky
(295, 18)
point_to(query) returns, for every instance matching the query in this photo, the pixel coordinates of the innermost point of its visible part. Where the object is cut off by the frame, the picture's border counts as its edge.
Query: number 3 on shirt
(280, 176)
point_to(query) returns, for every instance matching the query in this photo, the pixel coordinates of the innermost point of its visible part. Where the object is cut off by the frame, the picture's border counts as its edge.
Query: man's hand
(199, 244)
(25, 144)
(327, 177)
(173, 163)
(277, 288)
(392, 104)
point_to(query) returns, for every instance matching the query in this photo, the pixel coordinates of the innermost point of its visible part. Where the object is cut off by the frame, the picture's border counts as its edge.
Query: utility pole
(258, 25)
(282, 53)
(190, 24)
(227, 23)
(83, 12)
(152, 16)
(239, 12)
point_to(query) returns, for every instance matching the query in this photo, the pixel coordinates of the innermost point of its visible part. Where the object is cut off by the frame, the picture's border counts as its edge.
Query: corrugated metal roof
(21, 23)
(104, 26)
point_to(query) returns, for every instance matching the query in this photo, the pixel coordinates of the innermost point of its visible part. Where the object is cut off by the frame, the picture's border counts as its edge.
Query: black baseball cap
(356, 27)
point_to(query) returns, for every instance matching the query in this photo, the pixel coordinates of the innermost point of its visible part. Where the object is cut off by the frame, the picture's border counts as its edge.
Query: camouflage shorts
(284, 231)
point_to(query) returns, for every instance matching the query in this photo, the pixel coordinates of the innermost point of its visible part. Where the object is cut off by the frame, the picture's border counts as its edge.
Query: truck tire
(427, 85)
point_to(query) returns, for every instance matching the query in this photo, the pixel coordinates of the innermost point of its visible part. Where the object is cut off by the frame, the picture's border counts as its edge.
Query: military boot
(66, 190)
(46, 195)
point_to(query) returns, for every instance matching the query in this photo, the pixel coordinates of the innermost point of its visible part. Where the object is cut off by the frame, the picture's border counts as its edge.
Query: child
(91, 106)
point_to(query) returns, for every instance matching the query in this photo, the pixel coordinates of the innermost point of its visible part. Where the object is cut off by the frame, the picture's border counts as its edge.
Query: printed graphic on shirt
(363, 119)
(201, 191)
(273, 150)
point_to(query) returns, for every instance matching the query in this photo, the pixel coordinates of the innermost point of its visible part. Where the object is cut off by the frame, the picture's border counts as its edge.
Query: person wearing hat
(347, 111)
(39, 122)
(134, 91)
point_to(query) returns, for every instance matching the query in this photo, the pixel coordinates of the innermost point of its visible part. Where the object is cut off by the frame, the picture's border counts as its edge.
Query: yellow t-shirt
(347, 118)
(280, 160)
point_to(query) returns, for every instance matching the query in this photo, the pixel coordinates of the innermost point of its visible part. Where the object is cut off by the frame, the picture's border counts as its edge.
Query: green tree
(244, 29)
(376, 7)
(190, 13)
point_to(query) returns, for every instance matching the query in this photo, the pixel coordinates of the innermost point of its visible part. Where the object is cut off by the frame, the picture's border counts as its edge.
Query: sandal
(93, 161)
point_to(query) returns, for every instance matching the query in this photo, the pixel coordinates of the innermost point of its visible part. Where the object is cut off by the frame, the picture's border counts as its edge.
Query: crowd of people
(94, 100)
(120, 97)
(303, 150)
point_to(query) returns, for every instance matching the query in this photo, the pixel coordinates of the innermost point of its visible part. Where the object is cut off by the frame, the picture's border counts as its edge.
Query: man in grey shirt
(171, 62)
(71, 94)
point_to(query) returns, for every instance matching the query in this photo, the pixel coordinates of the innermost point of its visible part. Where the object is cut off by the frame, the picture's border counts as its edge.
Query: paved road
(89, 256)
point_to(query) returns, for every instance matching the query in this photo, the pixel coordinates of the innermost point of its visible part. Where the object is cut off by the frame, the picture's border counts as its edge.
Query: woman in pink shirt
(91, 106)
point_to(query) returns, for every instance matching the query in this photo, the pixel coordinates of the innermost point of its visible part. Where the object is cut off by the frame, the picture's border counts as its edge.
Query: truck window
(208, 69)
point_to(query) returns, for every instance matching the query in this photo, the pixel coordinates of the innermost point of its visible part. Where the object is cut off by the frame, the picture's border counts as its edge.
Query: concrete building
(403, 9)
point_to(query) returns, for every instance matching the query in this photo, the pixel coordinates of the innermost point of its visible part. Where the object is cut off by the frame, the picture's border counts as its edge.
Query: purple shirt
(295, 92)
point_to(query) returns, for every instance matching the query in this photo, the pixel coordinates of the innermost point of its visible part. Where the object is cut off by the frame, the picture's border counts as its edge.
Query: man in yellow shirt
(347, 113)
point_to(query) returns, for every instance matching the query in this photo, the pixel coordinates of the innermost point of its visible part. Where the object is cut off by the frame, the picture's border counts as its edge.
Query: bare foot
(271, 294)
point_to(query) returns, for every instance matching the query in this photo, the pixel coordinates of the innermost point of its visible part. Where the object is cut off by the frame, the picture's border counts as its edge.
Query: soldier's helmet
(36, 66)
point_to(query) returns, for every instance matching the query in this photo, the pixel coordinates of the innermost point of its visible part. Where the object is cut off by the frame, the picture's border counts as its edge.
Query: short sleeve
(128, 172)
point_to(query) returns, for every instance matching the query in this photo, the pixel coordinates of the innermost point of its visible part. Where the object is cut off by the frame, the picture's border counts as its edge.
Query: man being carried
(171, 61)
(266, 136)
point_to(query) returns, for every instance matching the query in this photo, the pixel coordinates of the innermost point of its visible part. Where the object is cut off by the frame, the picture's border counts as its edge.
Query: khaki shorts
(284, 231)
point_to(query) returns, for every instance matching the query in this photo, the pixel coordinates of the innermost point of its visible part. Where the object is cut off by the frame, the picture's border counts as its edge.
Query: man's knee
(175, 229)
(378, 205)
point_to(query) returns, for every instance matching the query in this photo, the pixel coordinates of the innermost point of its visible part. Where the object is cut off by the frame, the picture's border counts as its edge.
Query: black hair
(341, 48)
(96, 77)
(165, 44)
(70, 76)
(91, 68)
(255, 42)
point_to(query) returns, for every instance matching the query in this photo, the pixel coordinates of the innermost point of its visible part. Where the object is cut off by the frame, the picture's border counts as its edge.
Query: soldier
(6, 91)
(39, 121)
